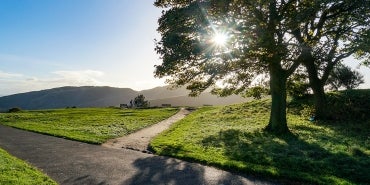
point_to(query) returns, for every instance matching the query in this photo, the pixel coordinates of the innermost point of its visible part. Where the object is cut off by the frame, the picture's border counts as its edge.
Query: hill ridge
(104, 96)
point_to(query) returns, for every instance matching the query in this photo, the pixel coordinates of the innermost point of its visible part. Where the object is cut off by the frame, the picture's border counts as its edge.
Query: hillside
(90, 96)
(203, 99)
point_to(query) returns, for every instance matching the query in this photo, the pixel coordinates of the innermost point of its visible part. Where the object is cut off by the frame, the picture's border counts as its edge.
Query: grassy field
(232, 137)
(91, 125)
(15, 171)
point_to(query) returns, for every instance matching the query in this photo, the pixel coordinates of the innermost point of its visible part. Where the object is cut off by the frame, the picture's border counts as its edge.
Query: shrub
(344, 105)
(14, 109)
(307, 111)
(349, 104)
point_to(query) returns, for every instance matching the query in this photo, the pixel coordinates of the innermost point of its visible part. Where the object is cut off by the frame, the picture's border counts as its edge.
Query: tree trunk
(278, 122)
(320, 101)
(318, 90)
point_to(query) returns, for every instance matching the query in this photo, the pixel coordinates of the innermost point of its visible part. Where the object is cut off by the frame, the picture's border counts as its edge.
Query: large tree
(334, 31)
(228, 43)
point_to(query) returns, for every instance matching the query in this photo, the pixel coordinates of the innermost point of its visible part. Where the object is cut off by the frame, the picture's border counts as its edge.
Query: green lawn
(92, 125)
(232, 137)
(15, 171)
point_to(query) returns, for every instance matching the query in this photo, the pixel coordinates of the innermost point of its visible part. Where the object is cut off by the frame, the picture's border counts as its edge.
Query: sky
(50, 43)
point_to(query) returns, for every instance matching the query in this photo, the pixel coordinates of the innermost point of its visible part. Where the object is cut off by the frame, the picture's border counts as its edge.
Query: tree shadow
(84, 179)
(164, 170)
(289, 156)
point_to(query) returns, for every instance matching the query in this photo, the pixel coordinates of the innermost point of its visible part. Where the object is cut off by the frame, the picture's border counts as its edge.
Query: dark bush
(14, 109)
(349, 104)
(344, 105)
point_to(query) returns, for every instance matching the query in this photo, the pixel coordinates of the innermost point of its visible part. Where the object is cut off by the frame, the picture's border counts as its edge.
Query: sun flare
(220, 39)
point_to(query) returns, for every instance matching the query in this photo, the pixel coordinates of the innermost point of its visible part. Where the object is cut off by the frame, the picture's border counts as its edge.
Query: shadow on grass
(290, 156)
(163, 170)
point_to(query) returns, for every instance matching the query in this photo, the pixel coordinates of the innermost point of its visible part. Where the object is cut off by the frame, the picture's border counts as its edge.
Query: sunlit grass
(15, 171)
(232, 137)
(92, 125)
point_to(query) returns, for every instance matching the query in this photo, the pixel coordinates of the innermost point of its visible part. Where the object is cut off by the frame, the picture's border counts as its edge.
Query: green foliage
(344, 76)
(15, 171)
(232, 137)
(15, 109)
(297, 85)
(92, 125)
(140, 102)
(307, 111)
(256, 92)
(191, 56)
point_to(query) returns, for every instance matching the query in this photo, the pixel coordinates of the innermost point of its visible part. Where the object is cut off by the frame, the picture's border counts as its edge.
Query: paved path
(70, 162)
(140, 140)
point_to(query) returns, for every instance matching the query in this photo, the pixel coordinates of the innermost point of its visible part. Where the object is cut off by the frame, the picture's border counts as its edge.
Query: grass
(232, 137)
(91, 125)
(15, 171)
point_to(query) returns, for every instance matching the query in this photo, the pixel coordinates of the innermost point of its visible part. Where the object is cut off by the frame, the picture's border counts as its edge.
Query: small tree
(344, 76)
(140, 102)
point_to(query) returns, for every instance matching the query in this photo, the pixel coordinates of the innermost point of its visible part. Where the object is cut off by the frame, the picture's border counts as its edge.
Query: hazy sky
(53, 43)
(50, 43)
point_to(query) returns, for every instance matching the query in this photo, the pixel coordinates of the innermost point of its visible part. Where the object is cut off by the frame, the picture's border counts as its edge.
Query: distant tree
(344, 76)
(14, 109)
(140, 101)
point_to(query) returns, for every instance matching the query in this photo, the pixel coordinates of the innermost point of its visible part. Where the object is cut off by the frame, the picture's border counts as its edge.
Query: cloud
(11, 83)
(85, 77)
(9, 75)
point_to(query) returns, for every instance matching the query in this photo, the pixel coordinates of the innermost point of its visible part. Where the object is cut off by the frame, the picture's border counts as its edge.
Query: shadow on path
(177, 172)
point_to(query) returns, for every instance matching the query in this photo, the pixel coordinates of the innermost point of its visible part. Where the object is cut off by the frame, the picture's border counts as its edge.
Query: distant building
(166, 105)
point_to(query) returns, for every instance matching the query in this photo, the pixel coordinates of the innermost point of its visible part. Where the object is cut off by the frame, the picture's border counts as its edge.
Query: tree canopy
(139, 102)
(337, 30)
(254, 39)
(226, 44)
(344, 76)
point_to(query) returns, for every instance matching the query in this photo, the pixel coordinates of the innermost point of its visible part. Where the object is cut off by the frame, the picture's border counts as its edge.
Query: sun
(220, 39)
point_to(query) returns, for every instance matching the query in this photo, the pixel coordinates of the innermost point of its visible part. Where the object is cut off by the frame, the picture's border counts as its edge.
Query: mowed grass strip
(15, 171)
(232, 137)
(91, 125)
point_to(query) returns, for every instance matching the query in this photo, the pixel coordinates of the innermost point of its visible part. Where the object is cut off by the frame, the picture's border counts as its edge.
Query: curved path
(140, 140)
(71, 162)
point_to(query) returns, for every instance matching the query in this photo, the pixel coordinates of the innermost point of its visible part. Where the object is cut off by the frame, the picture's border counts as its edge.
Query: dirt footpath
(139, 140)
